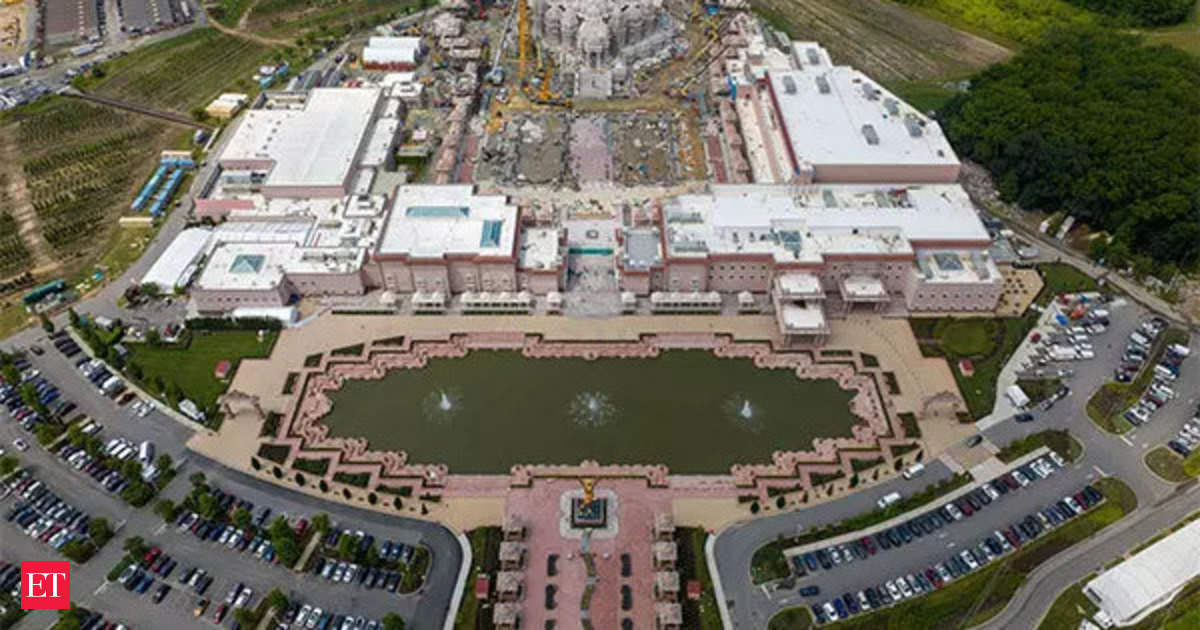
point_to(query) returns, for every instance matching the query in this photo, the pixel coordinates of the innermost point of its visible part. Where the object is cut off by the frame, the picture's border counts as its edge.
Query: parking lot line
(1126, 440)
(100, 589)
(1099, 472)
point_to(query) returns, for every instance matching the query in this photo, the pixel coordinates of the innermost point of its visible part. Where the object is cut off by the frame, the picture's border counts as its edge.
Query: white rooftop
(540, 249)
(243, 266)
(830, 119)
(802, 318)
(431, 221)
(312, 146)
(1148, 579)
(176, 262)
(819, 220)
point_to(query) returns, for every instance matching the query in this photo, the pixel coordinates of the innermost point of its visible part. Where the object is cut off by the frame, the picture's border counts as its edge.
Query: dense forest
(1095, 123)
(1141, 12)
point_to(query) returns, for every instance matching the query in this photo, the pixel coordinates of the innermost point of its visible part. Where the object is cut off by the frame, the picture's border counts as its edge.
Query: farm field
(288, 18)
(183, 72)
(14, 258)
(80, 164)
(886, 41)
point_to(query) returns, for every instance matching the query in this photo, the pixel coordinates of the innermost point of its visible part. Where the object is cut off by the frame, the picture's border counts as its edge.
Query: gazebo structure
(507, 616)
(668, 616)
(666, 586)
(510, 585)
(512, 555)
(665, 555)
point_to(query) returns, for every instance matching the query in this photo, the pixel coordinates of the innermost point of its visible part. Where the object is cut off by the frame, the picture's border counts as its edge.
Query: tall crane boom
(522, 37)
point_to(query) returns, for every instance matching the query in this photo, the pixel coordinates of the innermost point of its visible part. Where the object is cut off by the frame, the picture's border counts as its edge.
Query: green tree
(47, 325)
(167, 509)
(99, 530)
(47, 432)
(79, 550)
(131, 470)
(207, 506)
(136, 546)
(164, 463)
(137, 493)
(392, 621)
(71, 618)
(73, 317)
(242, 518)
(320, 523)
(198, 479)
(8, 464)
(153, 337)
(347, 546)
(277, 600)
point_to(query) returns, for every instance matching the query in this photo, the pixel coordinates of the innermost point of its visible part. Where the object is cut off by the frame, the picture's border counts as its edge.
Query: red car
(869, 544)
(151, 556)
(219, 615)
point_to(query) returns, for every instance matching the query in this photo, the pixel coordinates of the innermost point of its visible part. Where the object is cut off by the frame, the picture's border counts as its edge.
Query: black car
(1179, 447)
(883, 541)
(810, 560)
(811, 590)
(1023, 417)
(823, 558)
(1093, 493)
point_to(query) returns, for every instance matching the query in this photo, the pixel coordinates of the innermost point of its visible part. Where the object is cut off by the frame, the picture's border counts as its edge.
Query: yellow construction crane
(522, 37)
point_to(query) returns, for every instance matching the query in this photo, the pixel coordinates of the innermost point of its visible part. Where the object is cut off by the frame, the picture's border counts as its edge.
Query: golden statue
(589, 491)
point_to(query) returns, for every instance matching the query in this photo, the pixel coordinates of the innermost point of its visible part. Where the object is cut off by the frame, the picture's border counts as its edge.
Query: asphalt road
(752, 606)
(924, 552)
(425, 609)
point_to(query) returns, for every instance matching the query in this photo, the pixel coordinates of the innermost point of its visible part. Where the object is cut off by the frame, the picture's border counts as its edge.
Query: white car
(1070, 501)
(954, 511)
(314, 618)
(303, 616)
(1058, 460)
(893, 591)
(969, 559)
(830, 611)
(990, 491)
(863, 602)
(902, 584)
(1021, 479)
(20, 445)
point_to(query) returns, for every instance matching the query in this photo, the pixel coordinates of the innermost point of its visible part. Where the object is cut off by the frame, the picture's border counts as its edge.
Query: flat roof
(1148, 579)
(642, 248)
(808, 224)
(245, 266)
(838, 115)
(171, 267)
(540, 249)
(310, 146)
(431, 221)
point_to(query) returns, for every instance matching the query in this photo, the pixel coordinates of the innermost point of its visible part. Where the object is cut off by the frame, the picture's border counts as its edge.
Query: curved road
(1104, 454)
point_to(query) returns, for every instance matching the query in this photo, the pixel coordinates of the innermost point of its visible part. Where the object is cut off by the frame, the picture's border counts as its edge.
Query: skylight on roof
(490, 235)
(247, 263)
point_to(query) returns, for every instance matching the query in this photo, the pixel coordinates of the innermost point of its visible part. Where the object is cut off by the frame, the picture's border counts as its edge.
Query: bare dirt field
(884, 40)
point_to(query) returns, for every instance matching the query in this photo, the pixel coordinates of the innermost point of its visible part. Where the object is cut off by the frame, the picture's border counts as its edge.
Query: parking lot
(919, 554)
(423, 609)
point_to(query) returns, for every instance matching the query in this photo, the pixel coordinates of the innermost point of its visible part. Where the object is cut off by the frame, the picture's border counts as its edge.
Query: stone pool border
(305, 436)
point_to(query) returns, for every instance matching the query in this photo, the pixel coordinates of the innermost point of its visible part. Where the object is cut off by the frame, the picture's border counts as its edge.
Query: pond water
(690, 410)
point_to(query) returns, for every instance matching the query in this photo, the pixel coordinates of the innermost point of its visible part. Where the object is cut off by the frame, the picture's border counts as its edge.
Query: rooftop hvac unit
(892, 106)
(870, 91)
(828, 198)
(823, 85)
(915, 128)
(980, 266)
(868, 132)
(789, 85)
(813, 56)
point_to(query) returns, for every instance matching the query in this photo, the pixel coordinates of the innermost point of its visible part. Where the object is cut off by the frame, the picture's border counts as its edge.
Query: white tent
(179, 261)
(1017, 396)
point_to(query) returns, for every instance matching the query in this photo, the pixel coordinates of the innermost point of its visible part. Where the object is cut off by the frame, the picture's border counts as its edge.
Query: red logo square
(46, 585)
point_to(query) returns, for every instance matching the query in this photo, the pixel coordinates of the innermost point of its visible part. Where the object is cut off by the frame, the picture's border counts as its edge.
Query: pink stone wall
(328, 283)
(638, 283)
(946, 296)
(213, 301)
(217, 209)
(687, 276)
(886, 173)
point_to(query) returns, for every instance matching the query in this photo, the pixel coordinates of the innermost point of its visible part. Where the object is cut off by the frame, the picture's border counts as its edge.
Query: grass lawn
(924, 95)
(962, 338)
(1107, 406)
(768, 562)
(1062, 278)
(1166, 464)
(1059, 441)
(192, 368)
(791, 619)
(1066, 611)
(978, 597)
(702, 614)
(485, 558)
